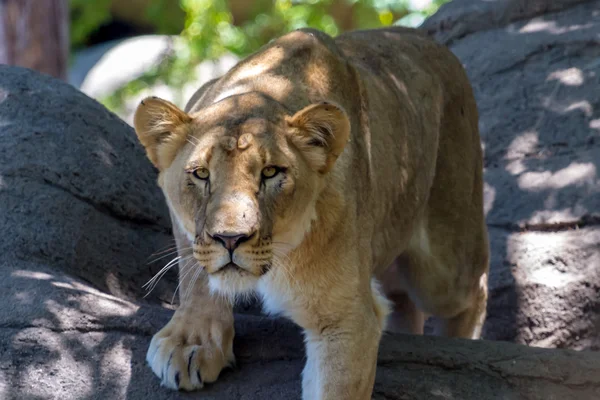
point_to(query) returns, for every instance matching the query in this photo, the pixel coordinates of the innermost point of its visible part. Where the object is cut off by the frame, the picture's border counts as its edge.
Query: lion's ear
(321, 132)
(162, 128)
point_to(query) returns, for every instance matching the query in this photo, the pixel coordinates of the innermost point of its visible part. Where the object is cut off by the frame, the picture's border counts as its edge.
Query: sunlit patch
(538, 25)
(583, 106)
(232, 92)
(64, 316)
(541, 25)
(115, 366)
(594, 124)
(575, 174)
(489, 195)
(32, 275)
(570, 77)
(554, 271)
(3, 386)
(516, 167)
(269, 59)
(525, 143)
(556, 216)
(84, 289)
(537, 244)
(62, 362)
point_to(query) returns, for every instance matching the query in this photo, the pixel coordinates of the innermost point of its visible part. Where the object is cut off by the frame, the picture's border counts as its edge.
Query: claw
(190, 362)
(167, 365)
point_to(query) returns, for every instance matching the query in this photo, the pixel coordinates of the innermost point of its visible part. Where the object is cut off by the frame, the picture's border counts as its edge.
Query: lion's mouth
(233, 267)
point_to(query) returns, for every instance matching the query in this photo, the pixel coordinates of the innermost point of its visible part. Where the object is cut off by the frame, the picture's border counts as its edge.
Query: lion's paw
(185, 354)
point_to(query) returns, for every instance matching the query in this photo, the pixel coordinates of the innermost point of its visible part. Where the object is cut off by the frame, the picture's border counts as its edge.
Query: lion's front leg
(342, 352)
(340, 363)
(197, 343)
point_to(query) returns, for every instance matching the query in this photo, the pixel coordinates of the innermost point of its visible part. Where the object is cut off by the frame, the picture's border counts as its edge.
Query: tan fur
(376, 134)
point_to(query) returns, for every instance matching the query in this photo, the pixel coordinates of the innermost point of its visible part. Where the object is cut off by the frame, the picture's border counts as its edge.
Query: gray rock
(85, 344)
(459, 18)
(544, 288)
(535, 82)
(76, 189)
(535, 69)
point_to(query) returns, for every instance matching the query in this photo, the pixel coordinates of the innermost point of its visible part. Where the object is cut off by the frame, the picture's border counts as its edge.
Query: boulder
(535, 69)
(95, 348)
(76, 190)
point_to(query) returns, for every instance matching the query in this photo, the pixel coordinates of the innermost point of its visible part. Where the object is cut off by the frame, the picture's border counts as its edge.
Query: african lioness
(311, 169)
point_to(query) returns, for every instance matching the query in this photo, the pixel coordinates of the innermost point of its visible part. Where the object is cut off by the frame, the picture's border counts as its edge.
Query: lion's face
(243, 179)
(242, 194)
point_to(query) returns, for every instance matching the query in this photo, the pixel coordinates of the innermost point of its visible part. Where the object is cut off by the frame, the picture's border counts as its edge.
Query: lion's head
(241, 177)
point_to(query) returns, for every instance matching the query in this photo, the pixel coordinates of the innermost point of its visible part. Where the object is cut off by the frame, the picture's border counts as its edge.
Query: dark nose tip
(229, 241)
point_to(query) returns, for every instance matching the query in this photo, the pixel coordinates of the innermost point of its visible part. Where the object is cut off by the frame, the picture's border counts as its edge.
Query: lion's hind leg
(448, 282)
(469, 323)
(405, 316)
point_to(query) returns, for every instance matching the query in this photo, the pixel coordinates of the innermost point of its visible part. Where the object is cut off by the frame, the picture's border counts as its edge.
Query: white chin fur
(231, 285)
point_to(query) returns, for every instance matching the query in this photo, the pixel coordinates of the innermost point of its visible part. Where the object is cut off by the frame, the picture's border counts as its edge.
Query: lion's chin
(231, 282)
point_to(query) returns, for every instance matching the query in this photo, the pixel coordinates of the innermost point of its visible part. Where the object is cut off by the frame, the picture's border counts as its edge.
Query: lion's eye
(201, 173)
(269, 172)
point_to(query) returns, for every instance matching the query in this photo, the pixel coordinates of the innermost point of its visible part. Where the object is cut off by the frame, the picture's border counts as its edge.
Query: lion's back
(422, 129)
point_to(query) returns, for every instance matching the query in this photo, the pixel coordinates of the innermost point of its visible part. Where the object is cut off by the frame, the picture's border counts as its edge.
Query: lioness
(311, 170)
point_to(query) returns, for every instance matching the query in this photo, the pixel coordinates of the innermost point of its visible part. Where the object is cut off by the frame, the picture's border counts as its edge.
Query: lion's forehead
(254, 143)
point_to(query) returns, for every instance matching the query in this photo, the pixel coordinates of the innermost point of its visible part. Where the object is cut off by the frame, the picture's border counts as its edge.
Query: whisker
(157, 253)
(168, 254)
(166, 248)
(181, 279)
(194, 143)
(166, 267)
(195, 277)
(281, 254)
(193, 271)
(151, 284)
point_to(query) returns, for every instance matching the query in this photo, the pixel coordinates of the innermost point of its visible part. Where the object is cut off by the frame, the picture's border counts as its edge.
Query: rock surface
(95, 349)
(76, 190)
(80, 214)
(535, 69)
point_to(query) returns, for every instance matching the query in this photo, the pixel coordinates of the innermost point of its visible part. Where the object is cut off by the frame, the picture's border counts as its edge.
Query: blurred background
(120, 51)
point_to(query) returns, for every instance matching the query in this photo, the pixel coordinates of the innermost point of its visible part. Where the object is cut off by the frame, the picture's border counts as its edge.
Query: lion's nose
(231, 241)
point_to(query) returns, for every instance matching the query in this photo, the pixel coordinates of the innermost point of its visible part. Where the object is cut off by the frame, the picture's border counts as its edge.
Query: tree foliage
(210, 28)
